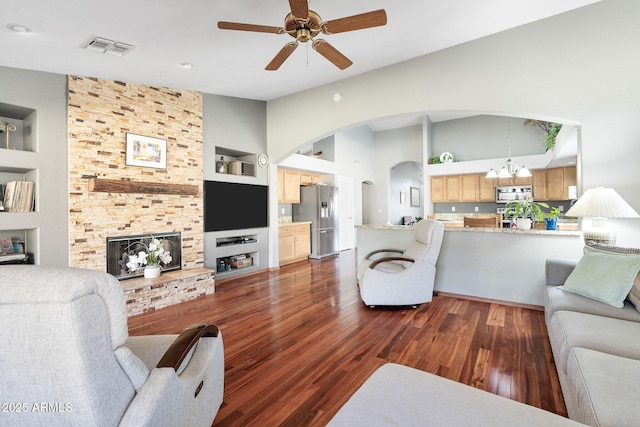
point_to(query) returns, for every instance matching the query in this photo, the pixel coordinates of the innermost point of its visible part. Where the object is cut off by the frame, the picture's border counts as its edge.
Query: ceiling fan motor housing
(301, 29)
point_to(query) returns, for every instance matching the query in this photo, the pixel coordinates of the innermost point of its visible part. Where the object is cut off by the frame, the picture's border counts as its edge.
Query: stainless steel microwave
(513, 192)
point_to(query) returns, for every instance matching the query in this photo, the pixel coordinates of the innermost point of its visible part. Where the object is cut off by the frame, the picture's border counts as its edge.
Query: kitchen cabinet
(288, 186)
(294, 243)
(477, 188)
(307, 178)
(486, 189)
(555, 182)
(539, 180)
(552, 184)
(514, 180)
(469, 192)
(445, 188)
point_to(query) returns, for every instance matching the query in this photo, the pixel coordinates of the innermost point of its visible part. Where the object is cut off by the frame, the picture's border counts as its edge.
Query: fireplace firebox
(119, 248)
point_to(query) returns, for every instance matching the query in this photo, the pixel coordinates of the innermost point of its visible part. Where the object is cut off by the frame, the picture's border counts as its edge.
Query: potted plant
(550, 131)
(551, 218)
(525, 212)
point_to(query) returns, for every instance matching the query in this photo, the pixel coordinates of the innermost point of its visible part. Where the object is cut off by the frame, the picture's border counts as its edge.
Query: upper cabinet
(548, 184)
(556, 183)
(308, 178)
(477, 188)
(514, 180)
(288, 186)
(445, 188)
(462, 188)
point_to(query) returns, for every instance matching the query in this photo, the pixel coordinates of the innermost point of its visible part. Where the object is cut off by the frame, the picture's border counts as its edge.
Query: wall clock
(263, 160)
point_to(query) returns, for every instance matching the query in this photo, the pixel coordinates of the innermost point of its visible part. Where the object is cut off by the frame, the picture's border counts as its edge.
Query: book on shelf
(19, 196)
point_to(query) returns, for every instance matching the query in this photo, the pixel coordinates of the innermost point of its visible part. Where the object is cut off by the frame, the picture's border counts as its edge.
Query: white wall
(354, 157)
(581, 66)
(391, 147)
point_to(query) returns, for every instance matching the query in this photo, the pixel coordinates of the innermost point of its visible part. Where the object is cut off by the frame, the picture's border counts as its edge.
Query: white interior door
(346, 208)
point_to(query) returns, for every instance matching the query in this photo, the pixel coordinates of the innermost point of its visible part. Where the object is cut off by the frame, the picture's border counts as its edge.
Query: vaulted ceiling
(165, 34)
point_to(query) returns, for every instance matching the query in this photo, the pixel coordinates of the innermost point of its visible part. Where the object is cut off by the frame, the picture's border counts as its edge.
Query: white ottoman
(396, 395)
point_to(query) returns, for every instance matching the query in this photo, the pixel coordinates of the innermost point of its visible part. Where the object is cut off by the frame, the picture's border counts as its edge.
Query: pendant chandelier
(510, 168)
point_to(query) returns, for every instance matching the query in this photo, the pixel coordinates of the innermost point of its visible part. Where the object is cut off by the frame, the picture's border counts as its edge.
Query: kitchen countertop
(477, 230)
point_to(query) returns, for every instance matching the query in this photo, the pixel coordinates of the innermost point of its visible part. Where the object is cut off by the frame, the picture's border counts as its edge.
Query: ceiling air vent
(102, 45)
(118, 49)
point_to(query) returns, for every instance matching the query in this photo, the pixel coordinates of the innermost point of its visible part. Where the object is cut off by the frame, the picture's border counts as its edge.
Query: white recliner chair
(387, 278)
(67, 359)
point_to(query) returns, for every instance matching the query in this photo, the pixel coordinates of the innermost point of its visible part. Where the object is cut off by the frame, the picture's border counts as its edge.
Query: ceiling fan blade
(299, 8)
(282, 56)
(332, 54)
(375, 18)
(223, 25)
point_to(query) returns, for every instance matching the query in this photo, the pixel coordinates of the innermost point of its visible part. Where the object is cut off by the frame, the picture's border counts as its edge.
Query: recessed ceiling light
(18, 28)
(187, 65)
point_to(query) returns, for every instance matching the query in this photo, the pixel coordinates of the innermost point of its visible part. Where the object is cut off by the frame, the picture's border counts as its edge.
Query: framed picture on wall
(414, 196)
(146, 151)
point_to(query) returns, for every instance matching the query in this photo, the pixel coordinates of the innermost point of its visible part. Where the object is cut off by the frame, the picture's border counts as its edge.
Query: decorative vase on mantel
(152, 271)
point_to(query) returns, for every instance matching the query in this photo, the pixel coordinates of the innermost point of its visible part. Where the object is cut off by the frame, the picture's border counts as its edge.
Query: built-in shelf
(234, 162)
(19, 162)
(126, 186)
(228, 249)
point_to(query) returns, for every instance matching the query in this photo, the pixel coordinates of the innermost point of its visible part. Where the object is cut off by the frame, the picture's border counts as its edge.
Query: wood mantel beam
(125, 186)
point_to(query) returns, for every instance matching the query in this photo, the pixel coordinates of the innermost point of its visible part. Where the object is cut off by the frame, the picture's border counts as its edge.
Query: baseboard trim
(491, 301)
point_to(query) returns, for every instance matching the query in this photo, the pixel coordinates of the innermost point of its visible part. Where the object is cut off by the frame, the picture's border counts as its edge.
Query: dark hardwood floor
(298, 342)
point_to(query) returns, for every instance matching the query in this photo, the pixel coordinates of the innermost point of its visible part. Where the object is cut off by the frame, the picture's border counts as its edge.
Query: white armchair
(402, 277)
(67, 359)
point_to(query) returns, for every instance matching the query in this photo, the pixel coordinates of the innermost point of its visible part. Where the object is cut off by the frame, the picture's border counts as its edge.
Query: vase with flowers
(148, 256)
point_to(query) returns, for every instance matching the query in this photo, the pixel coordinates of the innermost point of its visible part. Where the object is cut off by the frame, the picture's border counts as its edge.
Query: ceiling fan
(304, 25)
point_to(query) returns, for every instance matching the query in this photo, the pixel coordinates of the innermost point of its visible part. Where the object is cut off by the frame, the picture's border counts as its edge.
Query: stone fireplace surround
(100, 114)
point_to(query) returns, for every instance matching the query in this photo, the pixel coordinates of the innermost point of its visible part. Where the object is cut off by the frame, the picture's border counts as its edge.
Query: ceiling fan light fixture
(303, 35)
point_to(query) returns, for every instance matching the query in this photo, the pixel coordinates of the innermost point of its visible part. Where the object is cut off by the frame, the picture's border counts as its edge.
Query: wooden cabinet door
(539, 179)
(487, 189)
(438, 189)
(306, 178)
(469, 191)
(453, 187)
(291, 186)
(570, 178)
(522, 180)
(280, 185)
(555, 184)
(310, 178)
(286, 244)
(302, 235)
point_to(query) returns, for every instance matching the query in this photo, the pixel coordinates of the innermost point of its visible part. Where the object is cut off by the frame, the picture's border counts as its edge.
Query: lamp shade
(602, 202)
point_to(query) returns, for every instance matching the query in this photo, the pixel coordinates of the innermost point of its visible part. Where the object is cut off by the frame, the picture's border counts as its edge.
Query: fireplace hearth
(119, 248)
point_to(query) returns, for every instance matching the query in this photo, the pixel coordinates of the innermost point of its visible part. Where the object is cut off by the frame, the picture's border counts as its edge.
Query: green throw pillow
(604, 276)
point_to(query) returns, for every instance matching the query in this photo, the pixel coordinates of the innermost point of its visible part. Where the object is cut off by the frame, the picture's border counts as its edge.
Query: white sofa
(596, 347)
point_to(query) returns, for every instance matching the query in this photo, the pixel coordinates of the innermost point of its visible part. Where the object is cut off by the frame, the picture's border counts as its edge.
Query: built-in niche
(121, 247)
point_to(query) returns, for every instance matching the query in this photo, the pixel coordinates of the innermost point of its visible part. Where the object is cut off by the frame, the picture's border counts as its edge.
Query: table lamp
(600, 204)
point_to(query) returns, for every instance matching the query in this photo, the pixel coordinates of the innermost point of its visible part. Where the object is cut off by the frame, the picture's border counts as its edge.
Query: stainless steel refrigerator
(319, 204)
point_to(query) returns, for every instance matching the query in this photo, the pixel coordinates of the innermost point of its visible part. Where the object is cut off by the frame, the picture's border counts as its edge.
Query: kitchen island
(502, 264)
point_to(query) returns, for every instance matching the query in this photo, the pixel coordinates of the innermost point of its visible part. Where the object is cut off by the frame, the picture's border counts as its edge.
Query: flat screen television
(235, 206)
